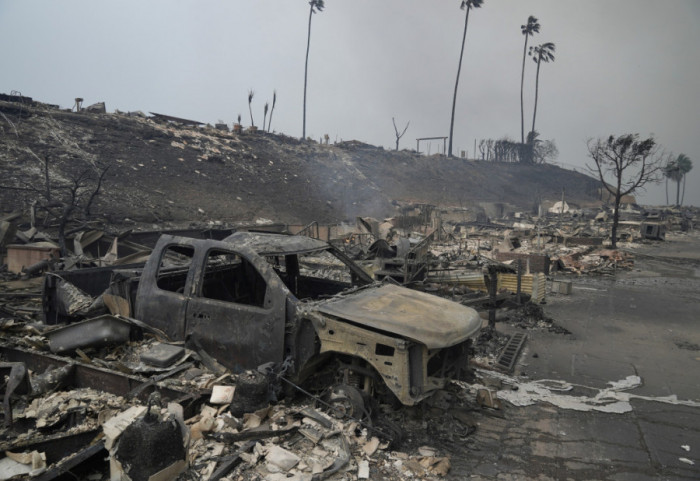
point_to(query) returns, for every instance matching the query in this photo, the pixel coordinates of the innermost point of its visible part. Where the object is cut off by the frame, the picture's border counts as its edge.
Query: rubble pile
(208, 439)
(488, 345)
(531, 316)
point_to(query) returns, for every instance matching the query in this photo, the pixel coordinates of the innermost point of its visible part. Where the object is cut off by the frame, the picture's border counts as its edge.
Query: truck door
(165, 286)
(237, 309)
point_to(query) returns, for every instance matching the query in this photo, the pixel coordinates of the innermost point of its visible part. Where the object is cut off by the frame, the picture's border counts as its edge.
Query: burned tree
(544, 150)
(267, 107)
(535, 151)
(396, 131)
(78, 195)
(251, 94)
(486, 149)
(629, 161)
(66, 197)
(538, 151)
(274, 101)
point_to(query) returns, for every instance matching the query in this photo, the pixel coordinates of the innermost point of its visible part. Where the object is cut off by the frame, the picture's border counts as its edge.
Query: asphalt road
(645, 323)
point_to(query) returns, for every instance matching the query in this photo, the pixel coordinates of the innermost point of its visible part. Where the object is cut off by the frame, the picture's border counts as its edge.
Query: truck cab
(255, 298)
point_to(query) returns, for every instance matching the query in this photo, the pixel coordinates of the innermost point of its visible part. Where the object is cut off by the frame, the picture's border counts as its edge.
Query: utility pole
(561, 209)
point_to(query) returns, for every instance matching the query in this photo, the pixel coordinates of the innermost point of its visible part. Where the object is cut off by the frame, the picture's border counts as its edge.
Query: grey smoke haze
(622, 66)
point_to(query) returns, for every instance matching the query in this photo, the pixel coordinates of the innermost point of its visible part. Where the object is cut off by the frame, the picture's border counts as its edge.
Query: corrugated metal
(532, 284)
(470, 279)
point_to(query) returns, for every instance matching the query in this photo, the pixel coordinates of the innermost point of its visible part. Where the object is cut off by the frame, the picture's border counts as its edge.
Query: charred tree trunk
(66, 213)
(616, 214)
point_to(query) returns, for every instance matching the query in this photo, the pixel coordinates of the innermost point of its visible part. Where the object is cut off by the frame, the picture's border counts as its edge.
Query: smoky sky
(628, 66)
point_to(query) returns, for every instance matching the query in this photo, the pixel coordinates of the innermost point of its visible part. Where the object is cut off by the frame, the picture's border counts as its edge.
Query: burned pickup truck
(257, 298)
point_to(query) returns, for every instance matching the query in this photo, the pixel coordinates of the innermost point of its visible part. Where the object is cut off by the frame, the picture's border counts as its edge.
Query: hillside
(164, 171)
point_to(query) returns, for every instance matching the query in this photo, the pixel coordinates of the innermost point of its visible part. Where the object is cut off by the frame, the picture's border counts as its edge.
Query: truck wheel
(347, 401)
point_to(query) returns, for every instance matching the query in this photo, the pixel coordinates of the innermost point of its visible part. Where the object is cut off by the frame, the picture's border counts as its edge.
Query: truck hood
(424, 318)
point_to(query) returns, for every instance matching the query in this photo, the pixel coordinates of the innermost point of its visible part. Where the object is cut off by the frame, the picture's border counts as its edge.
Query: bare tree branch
(631, 162)
(95, 192)
(396, 130)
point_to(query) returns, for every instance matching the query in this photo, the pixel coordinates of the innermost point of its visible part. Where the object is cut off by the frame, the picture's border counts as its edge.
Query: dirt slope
(161, 171)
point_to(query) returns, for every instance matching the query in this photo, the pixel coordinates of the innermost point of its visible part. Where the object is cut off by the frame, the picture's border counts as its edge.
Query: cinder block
(561, 287)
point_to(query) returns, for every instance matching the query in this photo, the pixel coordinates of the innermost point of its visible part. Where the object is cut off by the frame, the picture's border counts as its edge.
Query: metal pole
(493, 287)
(561, 208)
(520, 277)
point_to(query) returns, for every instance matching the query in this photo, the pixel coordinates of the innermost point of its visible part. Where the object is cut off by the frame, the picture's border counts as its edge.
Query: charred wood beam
(98, 378)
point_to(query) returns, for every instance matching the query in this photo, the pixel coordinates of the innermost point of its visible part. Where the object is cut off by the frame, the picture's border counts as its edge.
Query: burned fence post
(520, 278)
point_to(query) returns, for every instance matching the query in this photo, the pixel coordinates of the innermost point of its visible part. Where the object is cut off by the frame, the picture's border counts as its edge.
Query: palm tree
(541, 53)
(676, 170)
(250, 109)
(315, 5)
(531, 28)
(274, 101)
(468, 5)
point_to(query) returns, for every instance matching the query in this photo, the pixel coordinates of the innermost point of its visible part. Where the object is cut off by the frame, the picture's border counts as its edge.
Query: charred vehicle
(256, 298)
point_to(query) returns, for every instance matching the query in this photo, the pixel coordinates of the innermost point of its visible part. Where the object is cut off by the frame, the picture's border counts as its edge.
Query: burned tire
(251, 393)
(148, 446)
(391, 431)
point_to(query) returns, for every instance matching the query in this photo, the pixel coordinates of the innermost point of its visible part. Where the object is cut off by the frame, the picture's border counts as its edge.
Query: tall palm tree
(541, 53)
(676, 170)
(315, 5)
(468, 5)
(531, 28)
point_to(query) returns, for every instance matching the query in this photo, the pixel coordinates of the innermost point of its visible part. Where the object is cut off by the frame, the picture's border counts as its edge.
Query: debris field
(89, 377)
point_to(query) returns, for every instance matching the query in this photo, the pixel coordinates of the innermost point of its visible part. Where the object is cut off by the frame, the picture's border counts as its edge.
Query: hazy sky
(623, 66)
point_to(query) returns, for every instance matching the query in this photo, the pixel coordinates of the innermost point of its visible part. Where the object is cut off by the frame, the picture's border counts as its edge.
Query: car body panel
(421, 317)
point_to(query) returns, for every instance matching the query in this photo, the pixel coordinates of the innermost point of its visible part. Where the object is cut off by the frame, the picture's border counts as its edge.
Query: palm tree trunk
(683, 196)
(250, 109)
(306, 71)
(537, 89)
(459, 69)
(269, 122)
(666, 190)
(678, 191)
(522, 108)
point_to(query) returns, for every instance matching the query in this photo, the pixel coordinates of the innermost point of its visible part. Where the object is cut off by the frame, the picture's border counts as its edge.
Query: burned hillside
(168, 171)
